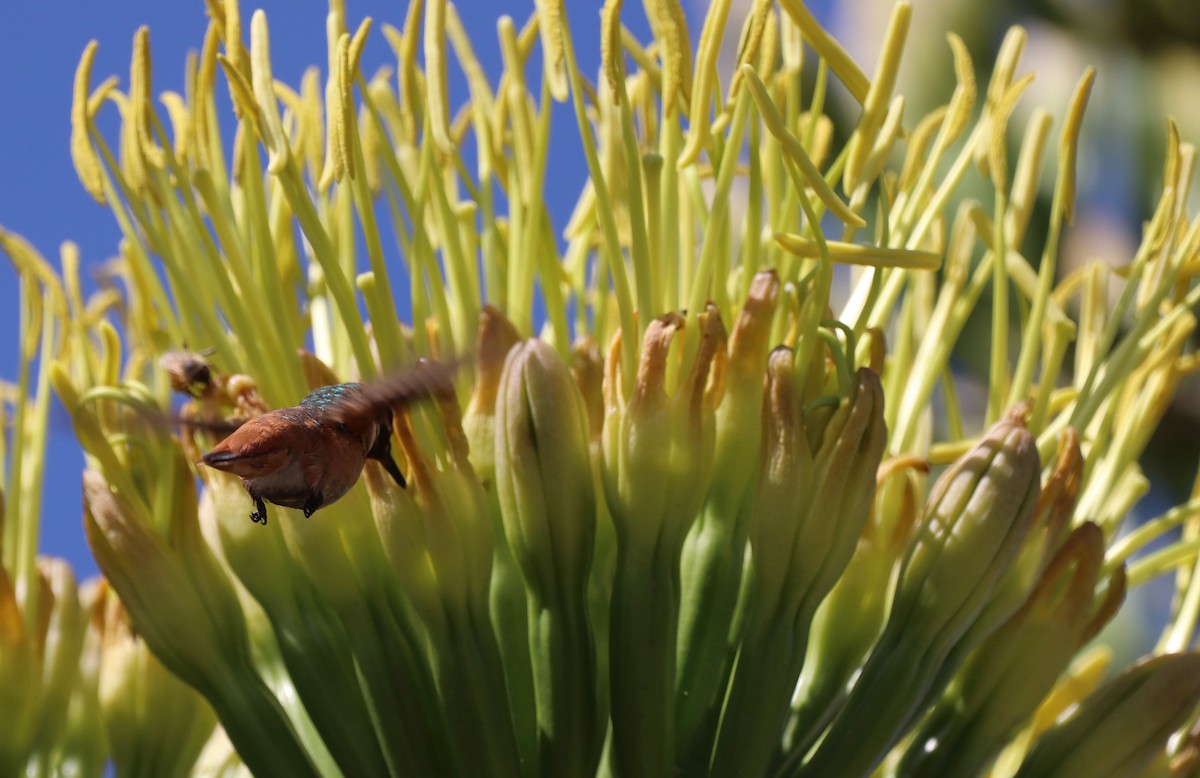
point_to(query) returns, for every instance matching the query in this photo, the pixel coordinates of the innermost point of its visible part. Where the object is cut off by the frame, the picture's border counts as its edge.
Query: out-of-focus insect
(309, 455)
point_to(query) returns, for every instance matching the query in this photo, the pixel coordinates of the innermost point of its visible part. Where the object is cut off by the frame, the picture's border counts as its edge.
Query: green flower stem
(400, 690)
(643, 627)
(507, 596)
(281, 385)
(255, 722)
(1061, 207)
(841, 633)
(381, 307)
(470, 677)
(701, 282)
(120, 199)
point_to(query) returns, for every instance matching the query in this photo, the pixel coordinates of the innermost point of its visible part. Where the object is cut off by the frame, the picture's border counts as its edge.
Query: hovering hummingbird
(309, 455)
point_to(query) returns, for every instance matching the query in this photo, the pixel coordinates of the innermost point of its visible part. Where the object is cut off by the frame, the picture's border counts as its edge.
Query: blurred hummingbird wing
(426, 378)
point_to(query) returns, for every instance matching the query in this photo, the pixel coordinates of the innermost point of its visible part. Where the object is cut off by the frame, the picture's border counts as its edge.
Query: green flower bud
(185, 608)
(153, 722)
(543, 474)
(1124, 725)
(63, 626)
(976, 519)
(1003, 682)
(1055, 505)
(658, 450)
(544, 480)
(20, 682)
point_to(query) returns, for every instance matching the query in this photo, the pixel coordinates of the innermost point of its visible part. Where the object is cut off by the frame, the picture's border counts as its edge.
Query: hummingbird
(309, 455)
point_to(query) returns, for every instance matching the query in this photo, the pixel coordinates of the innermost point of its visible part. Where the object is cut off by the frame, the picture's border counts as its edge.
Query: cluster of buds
(708, 521)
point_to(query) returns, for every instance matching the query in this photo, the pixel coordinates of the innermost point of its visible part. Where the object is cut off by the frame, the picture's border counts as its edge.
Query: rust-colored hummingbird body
(309, 455)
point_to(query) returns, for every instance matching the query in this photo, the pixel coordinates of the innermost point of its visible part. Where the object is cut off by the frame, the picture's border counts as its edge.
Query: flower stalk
(705, 496)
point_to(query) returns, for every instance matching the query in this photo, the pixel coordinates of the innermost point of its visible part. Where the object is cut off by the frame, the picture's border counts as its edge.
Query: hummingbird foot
(260, 515)
(311, 506)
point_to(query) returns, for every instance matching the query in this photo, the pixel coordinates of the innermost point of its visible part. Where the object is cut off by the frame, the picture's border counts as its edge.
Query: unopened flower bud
(153, 721)
(1124, 725)
(1003, 681)
(544, 480)
(62, 641)
(185, 608)
(976, 519)
(20, 682)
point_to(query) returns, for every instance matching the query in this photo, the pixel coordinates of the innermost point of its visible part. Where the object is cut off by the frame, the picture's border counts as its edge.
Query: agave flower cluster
(720, 513)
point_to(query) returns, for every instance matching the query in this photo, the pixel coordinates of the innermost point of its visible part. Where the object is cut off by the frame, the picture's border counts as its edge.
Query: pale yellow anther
(177, 112)
(357, 42)
(552, 26)
(273, 136)
(142, 101)
(233, 35)
(611, 51)
(998, 148)
(1068, 144)
(704, 81)
(917, 148)
(409, 74)
(1002, 76)
(102, 93)
(436, 88)
(241, 91)
(345, 85)
(754, 30)
(201, 99)
(215, 9)
(670, 29)
(966, 92)
(336, 164)
(87, 162)
(880, 94)
(828, 49)
(310, 121)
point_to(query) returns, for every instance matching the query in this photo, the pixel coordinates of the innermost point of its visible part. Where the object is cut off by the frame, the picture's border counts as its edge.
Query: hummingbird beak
(381, 452)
